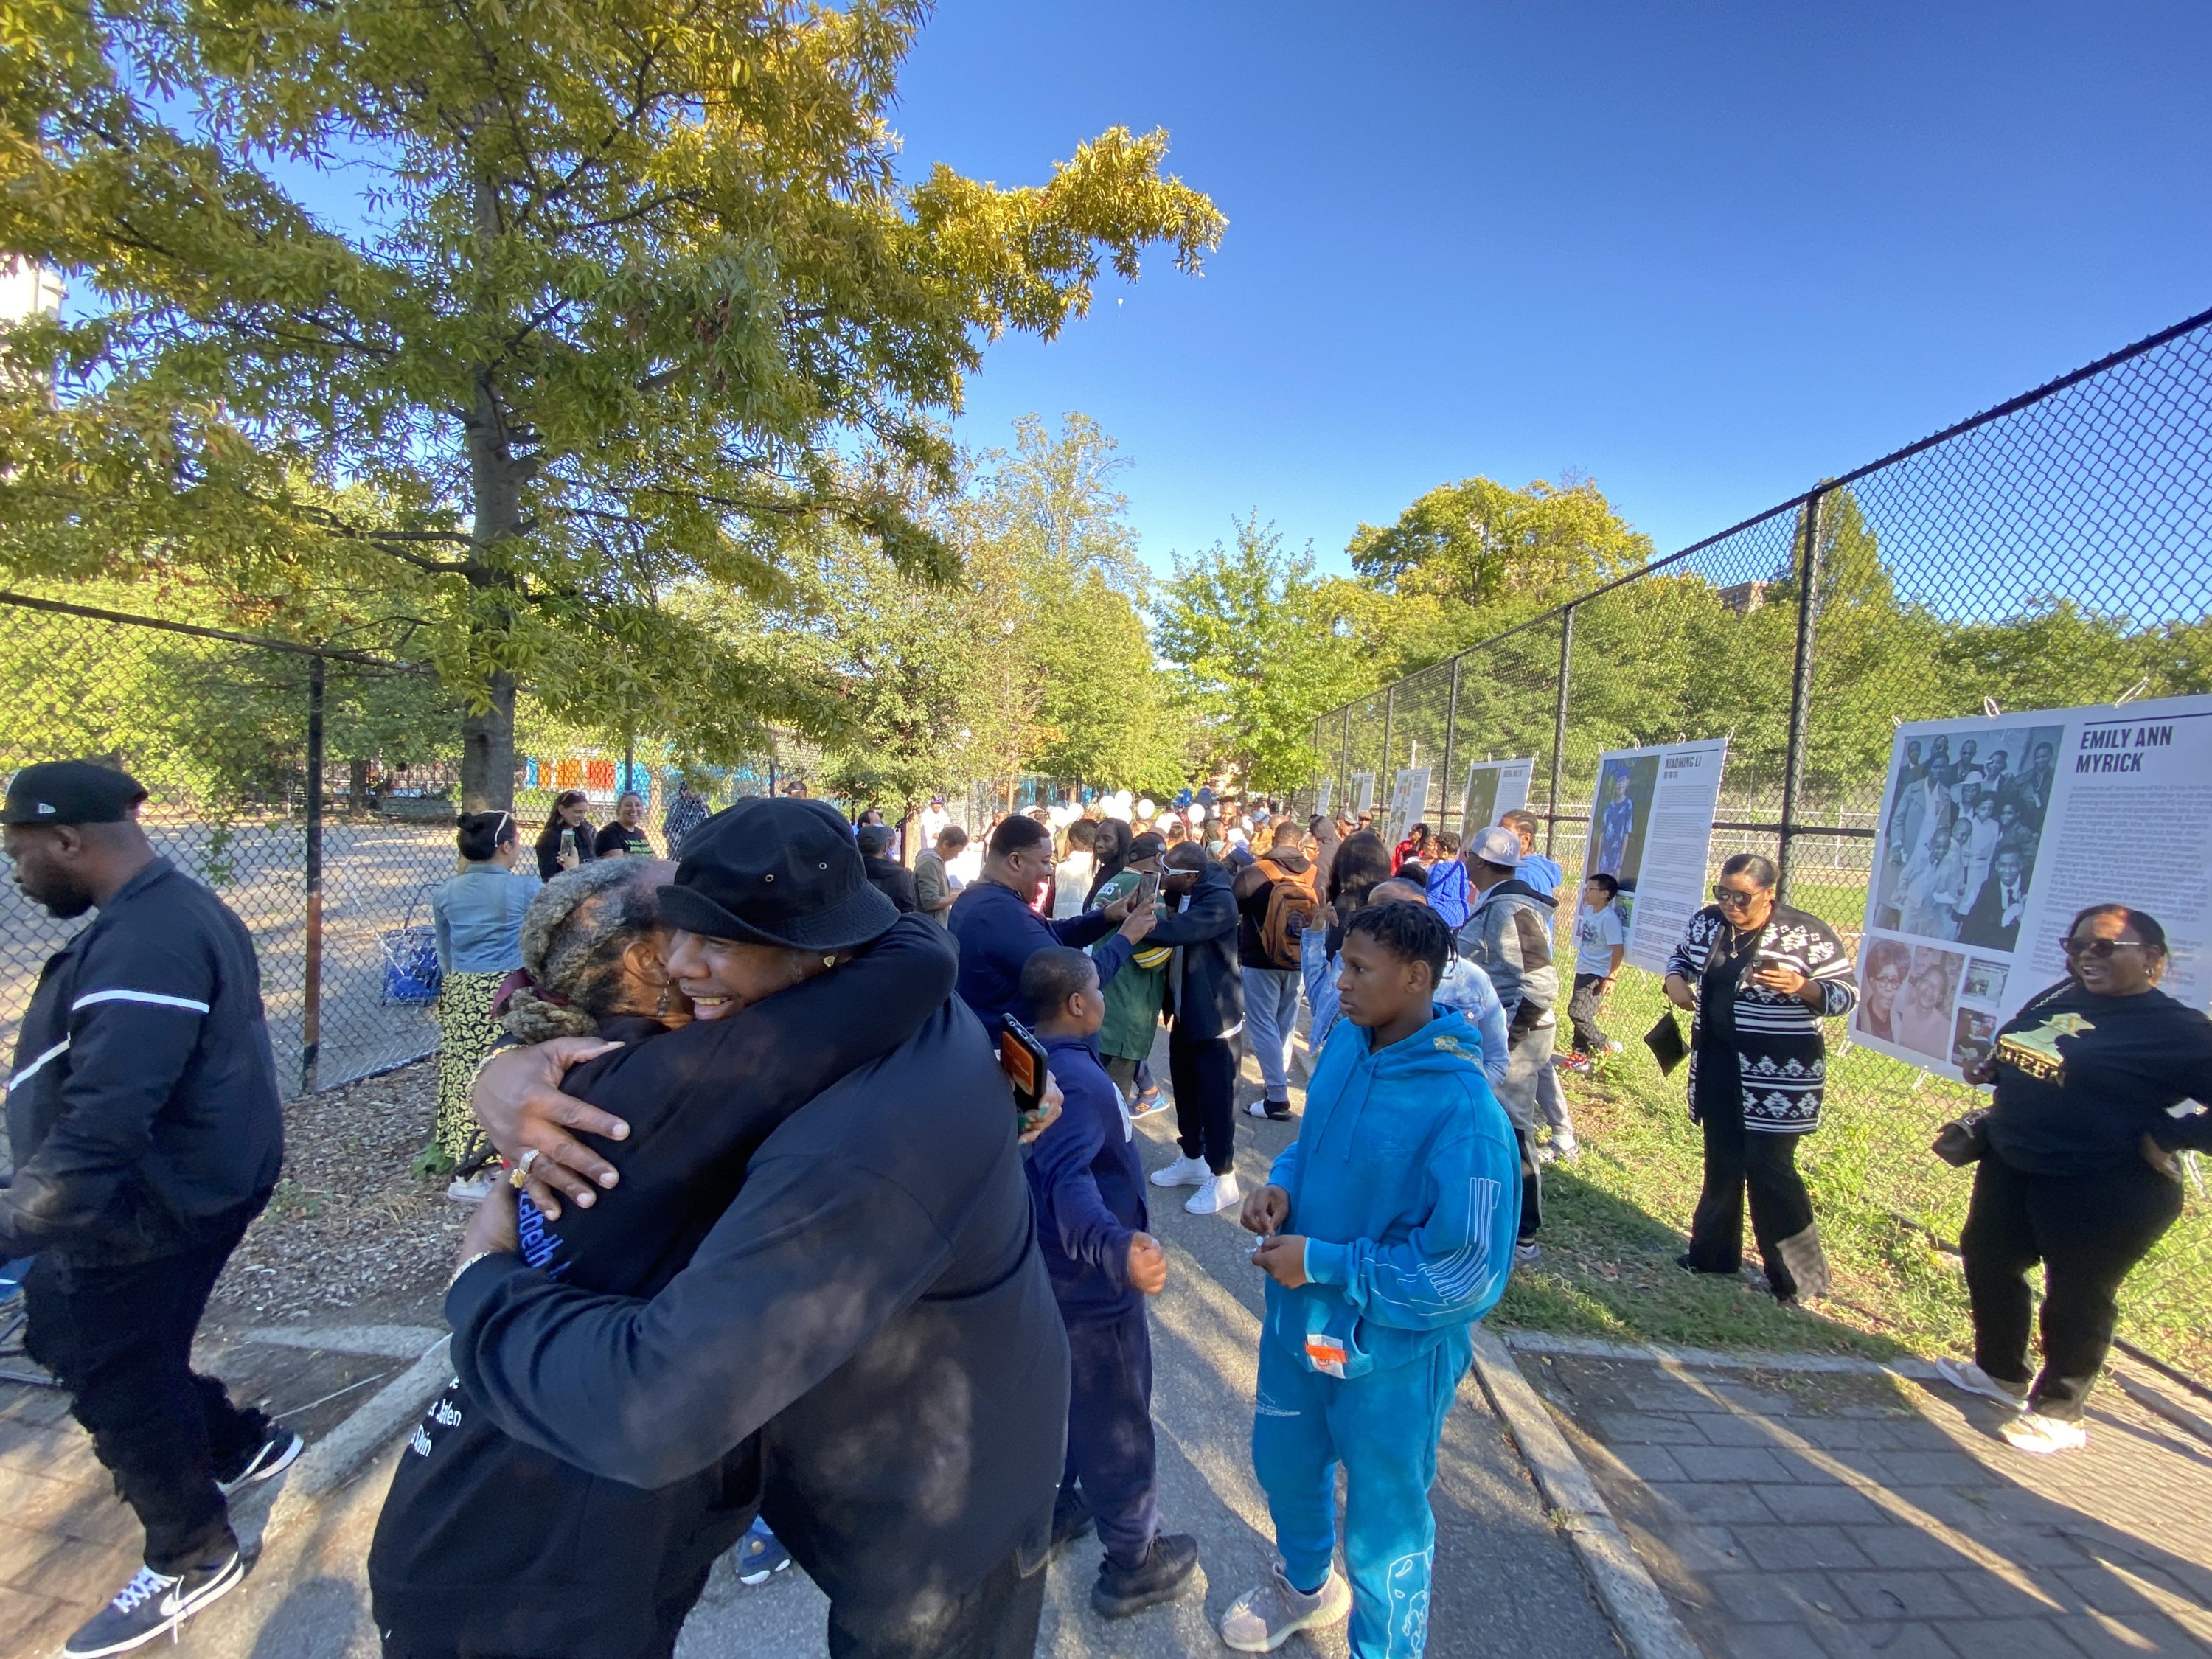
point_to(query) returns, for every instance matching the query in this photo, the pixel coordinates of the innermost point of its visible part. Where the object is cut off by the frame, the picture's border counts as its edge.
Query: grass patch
(1614, 1224)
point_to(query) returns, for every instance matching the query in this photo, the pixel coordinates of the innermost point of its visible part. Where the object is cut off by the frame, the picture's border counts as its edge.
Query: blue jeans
(1271, 1019)
(1383, 1428)
(1319, 975)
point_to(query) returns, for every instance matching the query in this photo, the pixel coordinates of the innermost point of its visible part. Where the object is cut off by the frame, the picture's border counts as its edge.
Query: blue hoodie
(1405, 1181)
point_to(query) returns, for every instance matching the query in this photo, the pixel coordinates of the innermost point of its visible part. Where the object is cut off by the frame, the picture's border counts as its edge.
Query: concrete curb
(1640, 1611)
(1744, 1359)
(334, 1459)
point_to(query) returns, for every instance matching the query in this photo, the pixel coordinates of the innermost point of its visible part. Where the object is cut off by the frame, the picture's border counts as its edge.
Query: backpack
(1292, 902)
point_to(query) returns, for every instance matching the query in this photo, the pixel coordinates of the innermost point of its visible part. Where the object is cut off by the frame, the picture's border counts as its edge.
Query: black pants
(1532, 1188)
(1582, 1013)
(1203, 1075)
(2087, 1231)
(997, 1619)
(1766, 1166)
(1111, 1453)
(120, 1340)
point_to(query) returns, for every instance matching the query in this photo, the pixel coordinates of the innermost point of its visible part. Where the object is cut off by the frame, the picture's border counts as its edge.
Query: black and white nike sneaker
(152, 1604)
(270, 1459)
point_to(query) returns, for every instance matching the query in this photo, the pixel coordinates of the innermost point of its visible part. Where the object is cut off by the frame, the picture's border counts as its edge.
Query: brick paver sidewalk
(1823, 1515)
(66, 1541)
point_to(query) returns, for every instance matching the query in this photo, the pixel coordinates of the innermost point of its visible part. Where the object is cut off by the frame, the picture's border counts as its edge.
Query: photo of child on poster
(1492, 788)
(1623, 814)
(1965, 824)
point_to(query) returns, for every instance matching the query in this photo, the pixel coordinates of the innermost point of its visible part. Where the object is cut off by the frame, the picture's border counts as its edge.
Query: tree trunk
(496, 478)
(488, 751)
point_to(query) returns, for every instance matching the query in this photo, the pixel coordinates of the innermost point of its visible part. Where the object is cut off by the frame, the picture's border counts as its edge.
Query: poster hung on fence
(1409, 799)
(1492, 788)
(1996, 832)
(1321, 801)
(1363, 792)
(1650, 828)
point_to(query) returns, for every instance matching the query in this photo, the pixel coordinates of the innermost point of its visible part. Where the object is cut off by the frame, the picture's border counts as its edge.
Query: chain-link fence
(2054, 552)
(231, 735)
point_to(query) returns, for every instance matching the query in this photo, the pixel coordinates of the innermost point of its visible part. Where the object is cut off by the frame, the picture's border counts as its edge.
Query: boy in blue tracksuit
(1390, 1227)
(1088, 1186)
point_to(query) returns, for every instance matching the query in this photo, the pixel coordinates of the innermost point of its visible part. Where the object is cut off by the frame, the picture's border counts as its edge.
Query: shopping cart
(411, 973)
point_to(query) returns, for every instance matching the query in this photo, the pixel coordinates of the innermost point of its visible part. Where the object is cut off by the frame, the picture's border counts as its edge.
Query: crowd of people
(769, 1257)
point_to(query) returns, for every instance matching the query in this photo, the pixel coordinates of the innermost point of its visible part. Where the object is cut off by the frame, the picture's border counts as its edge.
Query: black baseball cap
(70, 791)
(776, 870)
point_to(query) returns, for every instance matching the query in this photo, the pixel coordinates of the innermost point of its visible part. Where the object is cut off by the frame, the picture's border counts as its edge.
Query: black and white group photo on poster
(1965, 824)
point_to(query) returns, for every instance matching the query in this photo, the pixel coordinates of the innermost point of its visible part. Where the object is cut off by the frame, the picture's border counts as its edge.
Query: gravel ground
(351, 1229)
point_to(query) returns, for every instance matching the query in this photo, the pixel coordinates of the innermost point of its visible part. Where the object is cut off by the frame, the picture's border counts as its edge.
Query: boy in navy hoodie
(1404, 1187)
(1088, 1189)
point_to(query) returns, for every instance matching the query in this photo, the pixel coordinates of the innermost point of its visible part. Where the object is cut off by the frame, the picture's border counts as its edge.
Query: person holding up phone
(998, 931)
(1760, 976)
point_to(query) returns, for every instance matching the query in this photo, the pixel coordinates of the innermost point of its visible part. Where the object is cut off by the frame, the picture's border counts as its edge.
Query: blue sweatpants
(1383, 1427)
(1109, 1431)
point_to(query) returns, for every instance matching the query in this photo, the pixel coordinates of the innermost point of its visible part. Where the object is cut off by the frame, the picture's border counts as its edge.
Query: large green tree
(635, 301)
(1047, 515)
(1259, 647)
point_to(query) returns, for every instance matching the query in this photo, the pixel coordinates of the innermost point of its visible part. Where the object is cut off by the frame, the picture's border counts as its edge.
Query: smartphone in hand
(1023, 1058)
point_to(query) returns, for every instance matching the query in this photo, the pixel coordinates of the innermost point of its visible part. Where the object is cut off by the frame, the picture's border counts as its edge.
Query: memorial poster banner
(1651, 829)
(1321, 801)
(1363, 792)
(1409, 799)
(1492, 788)
(1995, 831)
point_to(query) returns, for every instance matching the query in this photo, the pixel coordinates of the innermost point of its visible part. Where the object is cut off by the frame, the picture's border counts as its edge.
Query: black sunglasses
(1731, 897)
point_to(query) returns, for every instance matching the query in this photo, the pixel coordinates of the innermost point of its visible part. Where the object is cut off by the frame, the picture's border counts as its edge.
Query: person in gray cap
(143, 1116)
(1508, 934)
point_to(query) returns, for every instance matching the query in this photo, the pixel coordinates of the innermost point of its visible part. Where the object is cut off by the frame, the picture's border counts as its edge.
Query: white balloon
(1144, 807)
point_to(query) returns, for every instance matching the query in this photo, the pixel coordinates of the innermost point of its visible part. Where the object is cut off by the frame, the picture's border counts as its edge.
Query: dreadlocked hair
(573, 938)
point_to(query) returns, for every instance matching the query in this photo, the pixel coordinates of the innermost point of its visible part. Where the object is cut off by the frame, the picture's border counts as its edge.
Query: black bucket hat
(776, 871)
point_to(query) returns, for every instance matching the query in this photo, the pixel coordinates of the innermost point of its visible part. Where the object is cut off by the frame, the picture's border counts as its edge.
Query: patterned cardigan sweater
(1780, 1051)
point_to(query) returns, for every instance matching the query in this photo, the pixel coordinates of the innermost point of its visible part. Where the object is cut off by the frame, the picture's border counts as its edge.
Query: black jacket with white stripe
(142, 1109)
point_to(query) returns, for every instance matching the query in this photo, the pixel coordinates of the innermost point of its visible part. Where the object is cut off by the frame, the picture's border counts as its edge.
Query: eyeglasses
(1732, 898)
(2101, 949)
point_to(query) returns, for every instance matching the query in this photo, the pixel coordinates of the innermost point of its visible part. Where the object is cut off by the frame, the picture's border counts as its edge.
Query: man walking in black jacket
(143, 1116)
(1206, 1020)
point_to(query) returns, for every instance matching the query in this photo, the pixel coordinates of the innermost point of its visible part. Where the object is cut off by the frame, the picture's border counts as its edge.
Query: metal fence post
(1390, 713)
(311, 1000)
(1344, 765)
(1451, 732)
(1800, 688)
(1559, 725)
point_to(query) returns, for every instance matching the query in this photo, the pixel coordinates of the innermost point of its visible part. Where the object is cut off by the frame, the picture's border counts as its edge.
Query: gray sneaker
(1265, 1618)
(1965, 1373)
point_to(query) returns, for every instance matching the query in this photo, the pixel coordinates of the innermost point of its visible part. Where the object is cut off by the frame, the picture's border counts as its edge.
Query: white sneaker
(1965, 1373)
(1530, 1252)
(1216, 1195)
(1269, 1614)
(470, 1192)
(2031, 1432)
(1183, 1172)
(1566, 1149)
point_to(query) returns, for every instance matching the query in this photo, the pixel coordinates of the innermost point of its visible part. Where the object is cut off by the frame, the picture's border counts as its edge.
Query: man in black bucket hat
(873, 1301)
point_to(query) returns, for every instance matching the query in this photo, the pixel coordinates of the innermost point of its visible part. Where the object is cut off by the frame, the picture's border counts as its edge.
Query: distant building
(27, 290)
(1744, 597)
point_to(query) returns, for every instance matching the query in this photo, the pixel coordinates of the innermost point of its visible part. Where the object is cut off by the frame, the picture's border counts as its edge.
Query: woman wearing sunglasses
(2079, 1173)
(1761, 977)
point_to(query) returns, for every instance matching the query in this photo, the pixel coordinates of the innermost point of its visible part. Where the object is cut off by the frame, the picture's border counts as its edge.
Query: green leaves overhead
(633, 299)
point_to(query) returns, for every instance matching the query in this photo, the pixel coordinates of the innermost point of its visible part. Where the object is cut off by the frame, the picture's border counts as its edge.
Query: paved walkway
(1821, 1514)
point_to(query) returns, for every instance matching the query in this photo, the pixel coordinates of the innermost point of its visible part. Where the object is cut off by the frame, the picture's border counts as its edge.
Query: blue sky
(1704, 253)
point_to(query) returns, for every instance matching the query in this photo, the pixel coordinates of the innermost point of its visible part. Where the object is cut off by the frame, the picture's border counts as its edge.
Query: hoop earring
(829, 961)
